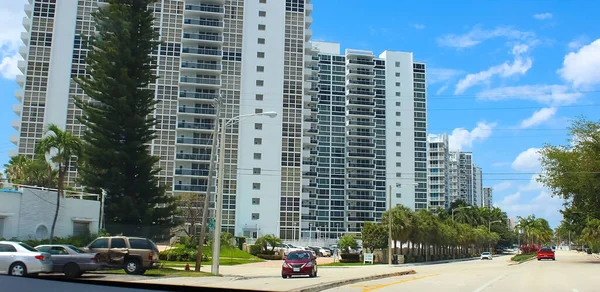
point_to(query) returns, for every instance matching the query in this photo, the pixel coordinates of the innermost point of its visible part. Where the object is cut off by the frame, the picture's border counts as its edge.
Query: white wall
(327, 47)
(406, 118)
(271, 133)
(29, 209)
(61, 58)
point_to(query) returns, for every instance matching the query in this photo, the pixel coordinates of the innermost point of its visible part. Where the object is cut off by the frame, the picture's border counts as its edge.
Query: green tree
(269, 240)
(119, 121)
(346, 243)
(61, 146)
(22, 170)
(374, 236)
(401, 223)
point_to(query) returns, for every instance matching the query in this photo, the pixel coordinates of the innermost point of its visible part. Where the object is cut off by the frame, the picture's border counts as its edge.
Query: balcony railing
(192, 156)
(197, 95)
(197, 65)
(360, 133)
(203, 22)
(200, 51)
(361, 154)
(205, 8)
(190, 188)
(202, 36)
(199, 126)
(361, 144)
(361, 123)
(195, 141)
(197, 80)
(194, 172)
(361, 186)
(197, 110)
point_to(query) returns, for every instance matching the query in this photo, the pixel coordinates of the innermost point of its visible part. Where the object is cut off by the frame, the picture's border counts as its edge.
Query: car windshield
(27, 247)
(546, 250)
(485, 253)
(76, 249)
(298, 256)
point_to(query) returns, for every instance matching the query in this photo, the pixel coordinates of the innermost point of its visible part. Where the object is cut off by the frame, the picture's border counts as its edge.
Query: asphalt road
(572, 272)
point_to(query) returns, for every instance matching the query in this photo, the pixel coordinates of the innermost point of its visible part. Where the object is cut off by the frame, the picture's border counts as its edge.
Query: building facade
(439, 171)
(487, 197)
(477, 187)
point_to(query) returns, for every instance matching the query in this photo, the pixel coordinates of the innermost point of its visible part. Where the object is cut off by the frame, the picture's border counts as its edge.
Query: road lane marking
(379, 286)
(489, 283)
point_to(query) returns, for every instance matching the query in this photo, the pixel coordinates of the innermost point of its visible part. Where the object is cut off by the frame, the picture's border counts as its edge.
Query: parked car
(20, 259)
(486, 255)
(322, 252)
(287, 248)
(299, 263)
(70, 260)
(329, 250)
(133, 254)
(545, 253)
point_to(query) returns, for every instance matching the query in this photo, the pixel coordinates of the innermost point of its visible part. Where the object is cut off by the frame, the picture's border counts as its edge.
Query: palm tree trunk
(61, 177)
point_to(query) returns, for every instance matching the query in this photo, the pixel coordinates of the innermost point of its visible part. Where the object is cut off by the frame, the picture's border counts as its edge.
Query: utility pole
(211, 170)
(390, 241)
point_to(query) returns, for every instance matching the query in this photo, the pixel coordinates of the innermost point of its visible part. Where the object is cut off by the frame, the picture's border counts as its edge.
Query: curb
(329, 285)
(518, 263)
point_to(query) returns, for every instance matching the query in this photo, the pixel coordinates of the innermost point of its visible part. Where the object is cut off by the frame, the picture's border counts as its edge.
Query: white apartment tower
(439, 171)
(487, 197)
(477, 187)
(359, 137)
(251, 54)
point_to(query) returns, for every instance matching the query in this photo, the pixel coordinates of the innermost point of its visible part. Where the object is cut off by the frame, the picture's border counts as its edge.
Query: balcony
(197, 95)
(14, 138)
(308, 8)
(307, 34)
(311, 119)
(214, 53)
(190, 188)
(309, 99)
(360, 82)
(17, 109)
(19, 94)
(360, 103)
(16, 124)
(191, 172)
(360, 62)
(312, 131)
(25, 37)
(310, 162)
(360, 208)
(360, 72)
(22, 64)
(310, 174)
(195, 126)
(197, 110)
(209, 82)
(360, 124)
(360, 144)
(208, 23)
(308, 21)
(211, 10)
(360, 165)
(26, 23)
(203, 38)
(358, 154)
(192, 156)
(195, 141)
(23, 51)
(360, 134)
(358, 175)
(369, 93)
(28, 9)
(200, 66)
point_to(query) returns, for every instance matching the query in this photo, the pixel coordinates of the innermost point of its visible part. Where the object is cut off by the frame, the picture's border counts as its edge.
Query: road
(572, 272)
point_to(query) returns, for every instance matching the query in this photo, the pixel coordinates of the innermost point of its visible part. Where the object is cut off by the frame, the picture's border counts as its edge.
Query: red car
(299, 263)
(545, 253)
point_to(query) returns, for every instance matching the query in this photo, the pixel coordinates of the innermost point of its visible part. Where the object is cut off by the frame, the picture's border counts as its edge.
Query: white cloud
(462, 138)
(442, 89)
(477, 35)
(500, 164)
(542, 205)
(543, 93)
(542, 16)
(533, 185)
(581, 68)
(11, 16)
(577, 43)
(520, 66)
(503, 186)
(419, 26)
(539, 117)
(527, 160)
(438, 75)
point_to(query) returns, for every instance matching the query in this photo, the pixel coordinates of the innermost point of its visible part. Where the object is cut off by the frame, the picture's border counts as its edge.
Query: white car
(486, 256)
(288, 247)
(20, 259)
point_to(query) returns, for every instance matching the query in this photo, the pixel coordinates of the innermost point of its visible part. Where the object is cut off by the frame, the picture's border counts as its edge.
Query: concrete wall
(28, 214)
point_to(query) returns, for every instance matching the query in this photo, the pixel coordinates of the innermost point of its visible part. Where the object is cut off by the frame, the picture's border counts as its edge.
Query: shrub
(530, 248)
(180, 253)
(269, 256)
(255, 249)
(350, 258)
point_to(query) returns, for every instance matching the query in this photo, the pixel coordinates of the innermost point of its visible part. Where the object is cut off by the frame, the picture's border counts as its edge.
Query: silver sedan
(70, 260)
(20, 259)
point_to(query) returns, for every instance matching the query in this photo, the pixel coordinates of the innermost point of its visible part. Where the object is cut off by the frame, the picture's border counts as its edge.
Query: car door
(100, 246)
(7, 254)
(117, 251)
(60, 256)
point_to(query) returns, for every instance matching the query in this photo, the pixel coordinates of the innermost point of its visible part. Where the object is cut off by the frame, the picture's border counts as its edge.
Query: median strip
(334, 284)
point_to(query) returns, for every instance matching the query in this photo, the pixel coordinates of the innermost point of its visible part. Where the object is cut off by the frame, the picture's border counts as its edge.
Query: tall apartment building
(477, 187)
(362, 116)
(487, 197)
(249, 53)
(439, 171)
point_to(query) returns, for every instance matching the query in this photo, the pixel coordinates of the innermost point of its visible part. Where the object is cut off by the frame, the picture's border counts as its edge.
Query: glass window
(100, 243)
(76, 249)
(7, 248)
(262, 13)
(138, 243)
(117, 243)
(43, 248)
(27, 246)
(81, 228)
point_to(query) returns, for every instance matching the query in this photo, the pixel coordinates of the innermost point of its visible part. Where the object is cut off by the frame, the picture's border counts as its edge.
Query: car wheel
(284, 276)
(132, 267)
(71, 270)
(17, 269)
(553, 259)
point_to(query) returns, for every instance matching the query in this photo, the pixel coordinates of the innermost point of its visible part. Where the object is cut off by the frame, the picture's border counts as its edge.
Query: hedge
(180, 254)
(269, 256)
(350, 258)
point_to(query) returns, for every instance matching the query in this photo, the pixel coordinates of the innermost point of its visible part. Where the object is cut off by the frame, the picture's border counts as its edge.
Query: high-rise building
(249, 54)
(477, 187)
(439, 171)
(365, 112)
(487, 197)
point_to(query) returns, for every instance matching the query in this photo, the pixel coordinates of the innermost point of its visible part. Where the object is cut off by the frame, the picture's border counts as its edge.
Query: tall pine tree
(119, 121)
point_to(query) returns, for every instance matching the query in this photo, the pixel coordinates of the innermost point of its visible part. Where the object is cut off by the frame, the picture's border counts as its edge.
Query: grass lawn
(162, 272)
(338, 264)
(523, 257)
(230, 252)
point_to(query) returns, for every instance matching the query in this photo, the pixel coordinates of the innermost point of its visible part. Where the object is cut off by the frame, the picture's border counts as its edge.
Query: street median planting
(523, 257)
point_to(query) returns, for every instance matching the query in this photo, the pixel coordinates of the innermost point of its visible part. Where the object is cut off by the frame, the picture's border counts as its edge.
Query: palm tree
(22, 170)
(62, 145)
(401, 224)
(15, 169)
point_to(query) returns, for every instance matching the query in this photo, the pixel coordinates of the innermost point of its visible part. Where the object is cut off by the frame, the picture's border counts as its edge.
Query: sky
(504, 77)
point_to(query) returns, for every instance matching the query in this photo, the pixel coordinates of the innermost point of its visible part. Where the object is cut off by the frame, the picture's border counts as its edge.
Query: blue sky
(504, 77)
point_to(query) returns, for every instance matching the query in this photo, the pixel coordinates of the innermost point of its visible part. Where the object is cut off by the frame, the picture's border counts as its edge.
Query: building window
(81, 228)
(256, 170)
(398, 124)
(260, 68)
(260, 82)
(261, 41)
(257, 126)
(256, 186)
(262, 27)
(397, 74)
(398, 144)
(398, 154)
(397, 114)
(255, 216)
(398, 94)
(398, 164)
(398, 195)
(397, 64)
(397, 103)
(257, 156)
(262, 1)
(257, 141)
(262, 13)
(398, 84)
(258, 110)
(398, 134)
(255, 201)
(259, 97)
(260, 55)
(398, 174)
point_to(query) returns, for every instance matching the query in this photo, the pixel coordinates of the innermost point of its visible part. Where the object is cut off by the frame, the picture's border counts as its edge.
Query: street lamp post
(219, 197)
(490, 230)
(456, 209)
(390, 241)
